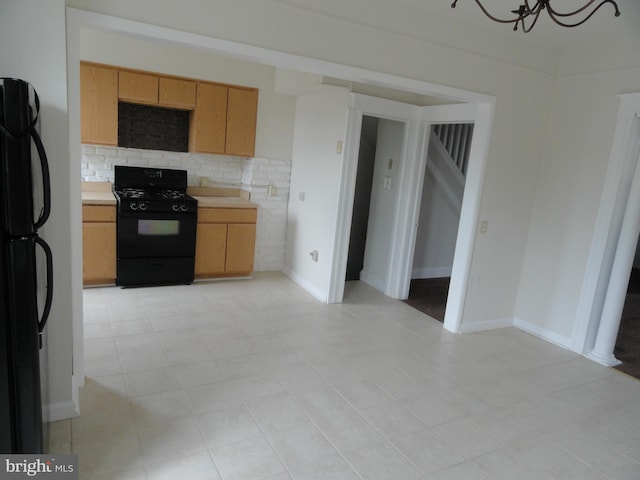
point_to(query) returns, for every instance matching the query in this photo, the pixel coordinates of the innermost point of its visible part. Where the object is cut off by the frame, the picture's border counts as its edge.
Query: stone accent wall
(260, 176)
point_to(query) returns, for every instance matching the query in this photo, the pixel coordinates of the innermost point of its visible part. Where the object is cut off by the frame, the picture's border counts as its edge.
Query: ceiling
(602, 25)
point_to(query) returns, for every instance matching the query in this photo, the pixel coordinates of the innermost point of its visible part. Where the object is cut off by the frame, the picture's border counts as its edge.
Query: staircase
(456, 140)
(448, 157)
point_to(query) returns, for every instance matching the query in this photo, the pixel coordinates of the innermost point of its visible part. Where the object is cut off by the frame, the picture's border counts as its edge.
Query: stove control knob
(184, 207)
(143, 205)
(133, 205)
(175, 207)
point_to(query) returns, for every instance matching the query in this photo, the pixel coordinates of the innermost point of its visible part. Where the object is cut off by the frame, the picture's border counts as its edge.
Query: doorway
(439, 216)
(374, 204)
(627, 349)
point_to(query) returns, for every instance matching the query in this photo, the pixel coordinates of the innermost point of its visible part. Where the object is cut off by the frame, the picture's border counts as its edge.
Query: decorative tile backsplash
(153, 128)
(252, 174)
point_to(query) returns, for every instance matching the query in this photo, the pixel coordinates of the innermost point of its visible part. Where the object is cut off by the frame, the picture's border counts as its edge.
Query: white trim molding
(614, 241)
(488, 325)
(544, 334)
(431, 272)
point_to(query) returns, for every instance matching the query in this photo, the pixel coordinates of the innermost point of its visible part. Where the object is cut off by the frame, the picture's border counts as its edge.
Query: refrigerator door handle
(42, 156)
(48, 300)
(46, 185)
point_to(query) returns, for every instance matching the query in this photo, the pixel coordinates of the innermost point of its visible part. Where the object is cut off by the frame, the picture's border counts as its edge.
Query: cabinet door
(98, 104)
(98, 253)
(177, 93)
(211, 241)
(241, 122)
(241, 244)
(208, 120)
(137, 87)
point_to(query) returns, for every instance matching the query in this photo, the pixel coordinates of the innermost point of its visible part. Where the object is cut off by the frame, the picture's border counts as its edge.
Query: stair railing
(456, 139)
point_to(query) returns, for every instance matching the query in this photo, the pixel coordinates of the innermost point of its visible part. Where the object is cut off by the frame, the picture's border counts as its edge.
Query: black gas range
(156, 227)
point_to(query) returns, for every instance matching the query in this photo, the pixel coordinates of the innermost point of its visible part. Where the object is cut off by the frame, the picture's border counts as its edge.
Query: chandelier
(526, 16)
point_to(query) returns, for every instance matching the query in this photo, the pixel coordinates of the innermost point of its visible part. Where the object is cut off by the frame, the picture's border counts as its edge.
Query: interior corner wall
(575, 159)
(33, 47)
(320, 123)
(384, 197)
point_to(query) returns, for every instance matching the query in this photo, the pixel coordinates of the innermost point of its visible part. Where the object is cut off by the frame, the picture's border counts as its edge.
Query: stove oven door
(155, 248)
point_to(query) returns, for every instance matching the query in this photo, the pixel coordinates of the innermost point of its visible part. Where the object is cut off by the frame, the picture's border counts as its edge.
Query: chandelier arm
(553, 15)
(531, 10)
(499, 20)
(533, 23)
(591, 2)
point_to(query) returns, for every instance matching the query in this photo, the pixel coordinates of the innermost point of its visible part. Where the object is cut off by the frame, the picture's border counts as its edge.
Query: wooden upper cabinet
(242, 108)
(222, 120)
(174, 92)
(137, 87)
(98, 104)
(207, 131)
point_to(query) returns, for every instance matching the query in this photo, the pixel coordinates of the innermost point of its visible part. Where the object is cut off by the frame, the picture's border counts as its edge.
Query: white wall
(32, 47)
(437, 231)
(575, 160)
(320, 124)
(389, 148)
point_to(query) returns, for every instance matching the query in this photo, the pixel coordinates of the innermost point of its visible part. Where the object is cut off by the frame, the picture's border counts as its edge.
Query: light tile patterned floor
(254, 379)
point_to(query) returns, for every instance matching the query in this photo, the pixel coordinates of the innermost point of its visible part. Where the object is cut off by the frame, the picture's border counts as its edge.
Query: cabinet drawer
(98, 213)
(227, 215)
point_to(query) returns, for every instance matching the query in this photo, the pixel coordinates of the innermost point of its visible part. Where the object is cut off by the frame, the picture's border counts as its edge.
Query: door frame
(410, 182)
(614, 242)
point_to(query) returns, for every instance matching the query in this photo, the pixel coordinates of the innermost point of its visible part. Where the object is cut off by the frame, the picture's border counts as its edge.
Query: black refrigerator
(25, 270)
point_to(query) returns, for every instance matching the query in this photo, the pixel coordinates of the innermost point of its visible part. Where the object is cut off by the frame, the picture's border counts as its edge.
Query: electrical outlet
(273, 190)
(483, 226)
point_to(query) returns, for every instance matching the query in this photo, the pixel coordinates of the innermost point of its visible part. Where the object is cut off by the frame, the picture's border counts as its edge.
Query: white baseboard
(431, 272)
(320, 295)
(62, 410)
(488, 325)
(544, 334)
(372, 281)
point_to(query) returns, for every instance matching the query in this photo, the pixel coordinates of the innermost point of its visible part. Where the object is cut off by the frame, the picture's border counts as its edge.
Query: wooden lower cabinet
(98, 245)
(211, 247)
(225, 243)
(225, 248)
(241, 244)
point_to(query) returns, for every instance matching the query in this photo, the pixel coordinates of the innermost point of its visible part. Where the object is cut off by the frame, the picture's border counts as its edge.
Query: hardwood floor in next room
(429, 295)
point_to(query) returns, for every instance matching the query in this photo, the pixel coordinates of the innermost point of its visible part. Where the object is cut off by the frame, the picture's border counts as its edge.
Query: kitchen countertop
(98, 195)
(98, 198)
(223, 202)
